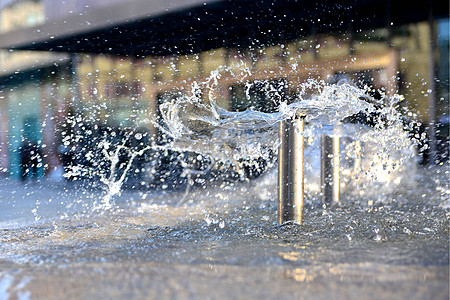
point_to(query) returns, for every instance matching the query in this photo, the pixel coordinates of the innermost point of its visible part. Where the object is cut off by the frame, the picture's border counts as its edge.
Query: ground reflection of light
(300, 275)
(291, 256)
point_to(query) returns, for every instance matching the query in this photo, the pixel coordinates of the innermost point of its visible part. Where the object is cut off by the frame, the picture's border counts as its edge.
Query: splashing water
(110, 164)
(373, 157)
(252, 134)
(115, 180)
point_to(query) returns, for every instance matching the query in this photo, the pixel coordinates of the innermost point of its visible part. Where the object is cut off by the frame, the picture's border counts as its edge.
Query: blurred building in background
(31, 83)
(112, 63)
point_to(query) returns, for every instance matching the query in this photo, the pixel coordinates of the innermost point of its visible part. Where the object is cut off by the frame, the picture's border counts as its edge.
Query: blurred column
(389, 23)
(75, 83)
(432, 87)
(48, 130)
(4, 136)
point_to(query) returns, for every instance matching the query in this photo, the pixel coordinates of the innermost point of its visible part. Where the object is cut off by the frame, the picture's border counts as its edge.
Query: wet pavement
(222, 243)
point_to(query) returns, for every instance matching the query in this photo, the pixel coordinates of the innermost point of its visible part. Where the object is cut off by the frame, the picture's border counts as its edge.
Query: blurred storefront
(121, 85)
(33, 89)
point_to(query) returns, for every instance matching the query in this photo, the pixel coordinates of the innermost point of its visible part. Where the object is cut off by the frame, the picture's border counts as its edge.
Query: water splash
(250, 135)
(107, 160)
(384, 148)
(118, 172)
(372, 157)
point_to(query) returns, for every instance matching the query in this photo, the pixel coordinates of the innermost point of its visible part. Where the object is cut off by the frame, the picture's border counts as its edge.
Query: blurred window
(264, 96)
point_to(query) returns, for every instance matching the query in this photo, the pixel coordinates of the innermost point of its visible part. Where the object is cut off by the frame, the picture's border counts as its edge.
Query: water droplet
(222, 224)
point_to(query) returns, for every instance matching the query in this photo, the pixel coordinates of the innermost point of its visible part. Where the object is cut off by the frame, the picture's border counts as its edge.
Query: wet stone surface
(224, 243)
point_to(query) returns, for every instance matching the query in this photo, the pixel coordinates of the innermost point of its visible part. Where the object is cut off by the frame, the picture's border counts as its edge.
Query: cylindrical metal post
(283, 167)
(330, 164)
(291, 171)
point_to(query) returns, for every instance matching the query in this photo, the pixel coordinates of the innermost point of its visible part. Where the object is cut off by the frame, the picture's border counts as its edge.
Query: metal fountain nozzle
(291, 169)
(291, 162)
(329, 169)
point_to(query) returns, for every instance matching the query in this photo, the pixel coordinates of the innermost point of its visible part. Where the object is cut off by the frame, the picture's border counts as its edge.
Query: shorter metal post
(291, 171)
(330, 164)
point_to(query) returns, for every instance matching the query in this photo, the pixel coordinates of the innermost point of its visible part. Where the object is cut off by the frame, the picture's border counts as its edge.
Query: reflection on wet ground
(224, 242)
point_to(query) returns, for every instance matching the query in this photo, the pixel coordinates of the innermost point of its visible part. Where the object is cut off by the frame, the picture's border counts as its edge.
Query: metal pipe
(291, 171)
(283, 166)
(330, 164)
